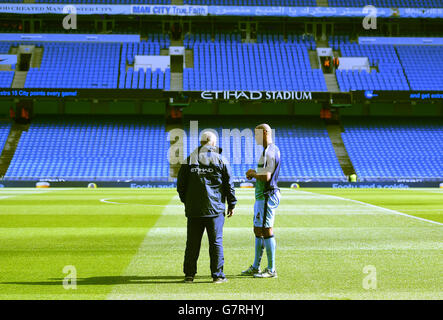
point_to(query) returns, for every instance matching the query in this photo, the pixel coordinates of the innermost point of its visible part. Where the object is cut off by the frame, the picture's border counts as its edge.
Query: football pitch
(129, 244)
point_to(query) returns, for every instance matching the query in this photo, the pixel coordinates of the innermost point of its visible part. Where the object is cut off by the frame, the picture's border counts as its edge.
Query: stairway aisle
(334, 131)
(10, 146)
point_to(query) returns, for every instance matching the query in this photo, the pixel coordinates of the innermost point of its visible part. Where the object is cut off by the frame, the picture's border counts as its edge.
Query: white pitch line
(378, 208)
(140, 204)
(16, 194)
(300, 210)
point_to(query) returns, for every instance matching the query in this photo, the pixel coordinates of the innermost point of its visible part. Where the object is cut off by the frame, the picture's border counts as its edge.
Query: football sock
(259, 248)
(270, 252)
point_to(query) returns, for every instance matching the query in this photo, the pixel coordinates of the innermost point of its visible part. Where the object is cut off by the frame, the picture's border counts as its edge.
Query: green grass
(131, 247)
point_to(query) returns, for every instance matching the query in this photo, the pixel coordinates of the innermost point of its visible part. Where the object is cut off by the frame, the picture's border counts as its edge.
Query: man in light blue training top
(267, 199)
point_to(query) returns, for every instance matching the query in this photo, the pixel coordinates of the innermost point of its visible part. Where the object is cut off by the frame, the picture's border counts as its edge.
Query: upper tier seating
(6, 78)
(151, 79)
(85, 149)
(4, 47)
(82, 65)
(76, 65)
(395, 148)
(226, 63)
(422, 66)
(386, 74)
(270, 64)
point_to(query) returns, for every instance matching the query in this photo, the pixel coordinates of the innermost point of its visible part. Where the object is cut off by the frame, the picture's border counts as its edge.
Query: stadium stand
(307, 151)
(228, 64)
(5, 127)
(6, 78)
(151, 79)
(422, 66)
(145, 80)
(81, 65)
(270, 64)
(4, 47)
(395, 147)
(76, 65)
(87, 148)
(386, 70)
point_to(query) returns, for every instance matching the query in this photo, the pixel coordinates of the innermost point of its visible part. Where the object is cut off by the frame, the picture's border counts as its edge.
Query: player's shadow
(116, 280)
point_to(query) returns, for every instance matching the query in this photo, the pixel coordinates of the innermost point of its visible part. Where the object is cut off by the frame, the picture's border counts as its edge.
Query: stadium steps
(177, 2)
(189, 58)
(313, 59)
(402, 67)
(177, 77)
(19, 79)
(10, 146)
(322, 3)
(37, 57)
(334, 131)
(164, 52)
(28, 1)
(173, 168)
(331, 82)
(176, 81)
(176, 43)
(322, 43)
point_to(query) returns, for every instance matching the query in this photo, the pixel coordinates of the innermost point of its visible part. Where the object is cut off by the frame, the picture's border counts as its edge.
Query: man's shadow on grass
(116, 280)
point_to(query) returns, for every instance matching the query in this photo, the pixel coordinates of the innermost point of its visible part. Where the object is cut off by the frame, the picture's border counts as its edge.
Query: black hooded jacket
(205, 183)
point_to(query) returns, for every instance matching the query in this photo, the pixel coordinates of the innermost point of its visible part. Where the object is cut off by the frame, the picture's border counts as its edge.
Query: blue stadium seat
(422, 66)
(5, 127)
(395, 148)
(6, 78)
(386, 69)
(228, 64)
(88, 149)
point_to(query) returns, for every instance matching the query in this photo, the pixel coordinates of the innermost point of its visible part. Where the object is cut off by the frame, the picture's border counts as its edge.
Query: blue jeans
(196, 228)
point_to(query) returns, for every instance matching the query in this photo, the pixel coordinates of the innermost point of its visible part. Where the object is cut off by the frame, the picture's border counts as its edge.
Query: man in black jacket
(204, 184)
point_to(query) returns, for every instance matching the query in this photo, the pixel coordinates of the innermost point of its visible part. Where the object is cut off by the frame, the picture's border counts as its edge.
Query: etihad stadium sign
(256, 95)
